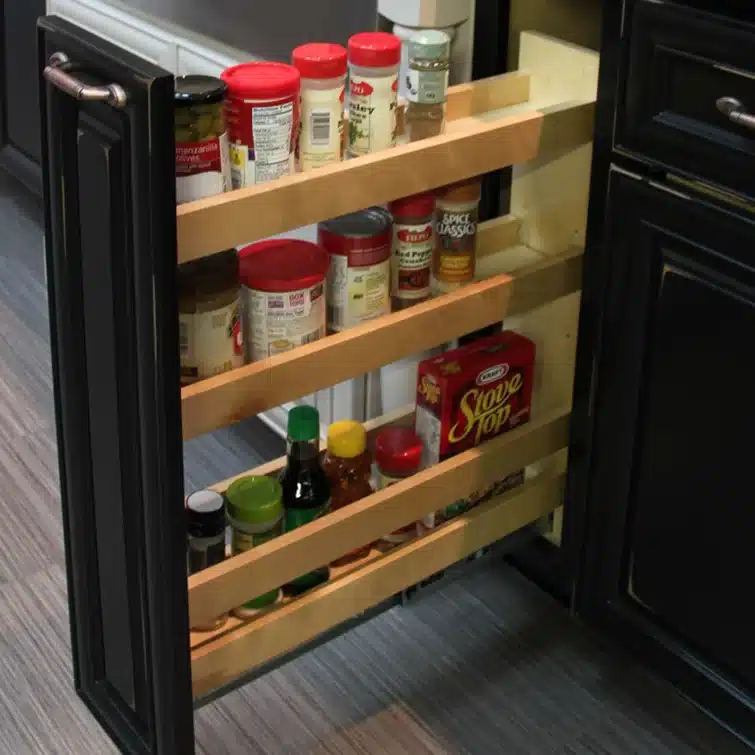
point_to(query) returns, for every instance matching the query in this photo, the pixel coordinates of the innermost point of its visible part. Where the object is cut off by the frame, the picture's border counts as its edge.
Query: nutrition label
(357, 294)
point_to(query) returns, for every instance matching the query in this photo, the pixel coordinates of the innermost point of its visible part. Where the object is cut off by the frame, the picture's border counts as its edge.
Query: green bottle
(306, 490)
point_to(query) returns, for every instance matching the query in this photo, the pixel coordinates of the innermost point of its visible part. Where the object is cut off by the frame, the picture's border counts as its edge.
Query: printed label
(402, 534)
(412, 260)
(203, 169)
(210, 342)
(321, 138)
(456, 239)
(426, 87)
(278, 322)
(241, 542)
(372, 114)
(356, 294)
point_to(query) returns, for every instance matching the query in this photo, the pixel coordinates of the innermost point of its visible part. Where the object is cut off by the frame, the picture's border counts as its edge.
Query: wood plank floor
(488, 664)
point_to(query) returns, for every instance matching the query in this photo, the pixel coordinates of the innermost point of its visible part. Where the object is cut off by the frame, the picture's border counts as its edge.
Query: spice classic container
(203, 165)
(412, 251)
(283, 294)
(456, 217)
(323, 78)
(374, 60)
(359, 246)
(262, 111)
(209, 316)
(255, 513)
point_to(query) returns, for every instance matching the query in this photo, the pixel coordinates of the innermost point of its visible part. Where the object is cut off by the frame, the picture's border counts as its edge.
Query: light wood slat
(484, 95)
(472, 147)
(223, 660)
(219, 588)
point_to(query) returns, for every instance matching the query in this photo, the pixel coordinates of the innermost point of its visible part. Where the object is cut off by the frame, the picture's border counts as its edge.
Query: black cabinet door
(671, 522)
(111, 262)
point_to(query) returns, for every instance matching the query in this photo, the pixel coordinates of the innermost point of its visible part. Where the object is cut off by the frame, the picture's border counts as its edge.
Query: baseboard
(28, 172)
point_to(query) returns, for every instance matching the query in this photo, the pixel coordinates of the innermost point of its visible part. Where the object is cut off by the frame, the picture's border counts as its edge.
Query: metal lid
(205, 513)
(362, 224)
(199, 90)
(430, 44)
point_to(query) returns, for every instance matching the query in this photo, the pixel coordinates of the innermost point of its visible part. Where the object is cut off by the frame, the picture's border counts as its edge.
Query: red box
(472, 394)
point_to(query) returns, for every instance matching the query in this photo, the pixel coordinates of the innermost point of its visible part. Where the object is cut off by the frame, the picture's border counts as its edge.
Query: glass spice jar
(429, 64)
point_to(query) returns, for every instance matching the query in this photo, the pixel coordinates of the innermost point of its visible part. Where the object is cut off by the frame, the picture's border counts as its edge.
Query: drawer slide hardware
(735, 111)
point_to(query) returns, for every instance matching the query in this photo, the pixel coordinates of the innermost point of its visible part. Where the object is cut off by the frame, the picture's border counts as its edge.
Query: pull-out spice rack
(538, 120)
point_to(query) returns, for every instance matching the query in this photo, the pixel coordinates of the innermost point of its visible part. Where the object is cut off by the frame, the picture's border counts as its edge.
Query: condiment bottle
(348, 465)
(456, 218)
(255, 513)
(412, 251)
(205, 529)
(398, 453)
(374, 60)
(429, 64)
(306, 490)
(323, 76)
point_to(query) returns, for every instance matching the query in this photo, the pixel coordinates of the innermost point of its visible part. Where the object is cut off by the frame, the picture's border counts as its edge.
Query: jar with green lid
(203, 163)
(429, 65)
(209, 307)
(255, 512)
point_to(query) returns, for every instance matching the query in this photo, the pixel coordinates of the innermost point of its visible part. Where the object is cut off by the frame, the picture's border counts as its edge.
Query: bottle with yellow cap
(348, 465)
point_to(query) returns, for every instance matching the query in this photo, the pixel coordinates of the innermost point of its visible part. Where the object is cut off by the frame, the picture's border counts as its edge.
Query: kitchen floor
(487, 664)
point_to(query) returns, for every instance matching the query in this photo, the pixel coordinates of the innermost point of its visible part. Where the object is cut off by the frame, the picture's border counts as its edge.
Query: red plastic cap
(398, 450)
(374, 49)
(320, 60)
(260, 80)
(417, 206)
(282, 265)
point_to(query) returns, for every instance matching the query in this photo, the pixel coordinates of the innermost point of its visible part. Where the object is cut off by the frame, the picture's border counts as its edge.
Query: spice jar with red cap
(398, 453)
(412, 251)
(374, 60)
(322, 66)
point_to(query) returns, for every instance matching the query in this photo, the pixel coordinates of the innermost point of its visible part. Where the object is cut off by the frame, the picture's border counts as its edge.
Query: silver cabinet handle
(55, 72)
(735, 111)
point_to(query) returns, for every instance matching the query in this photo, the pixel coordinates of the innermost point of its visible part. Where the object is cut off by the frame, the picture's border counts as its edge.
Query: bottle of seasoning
(348, 465)
(429, 64)
(398, 453)
(323, 77)
(255, 513)
(456, 217)
(203, 165)
(374, 60)
(205, 527)
(412, 253)
(209, 305)
(306, 490)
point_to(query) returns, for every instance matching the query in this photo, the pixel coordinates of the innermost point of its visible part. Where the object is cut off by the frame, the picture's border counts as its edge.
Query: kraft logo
(492, 373)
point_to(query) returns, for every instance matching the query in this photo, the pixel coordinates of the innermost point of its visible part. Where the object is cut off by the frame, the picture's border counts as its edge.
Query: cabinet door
(671, 521)
(109, 186)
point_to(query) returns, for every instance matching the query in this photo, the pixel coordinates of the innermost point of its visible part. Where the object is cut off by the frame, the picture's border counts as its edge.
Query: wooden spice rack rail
(540, 121)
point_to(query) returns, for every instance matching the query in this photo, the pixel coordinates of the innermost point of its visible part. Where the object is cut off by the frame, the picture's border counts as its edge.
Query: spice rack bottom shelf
(356, 588)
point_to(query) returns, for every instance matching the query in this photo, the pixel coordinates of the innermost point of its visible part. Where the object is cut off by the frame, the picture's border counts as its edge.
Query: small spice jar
(374, 61)
(209, 307)
(348, 465)
(398, 453)
(456, 218)
(203, 166)
(255, 513)
(323, 78)
(429, 64)
(205, 529)
(412, 251)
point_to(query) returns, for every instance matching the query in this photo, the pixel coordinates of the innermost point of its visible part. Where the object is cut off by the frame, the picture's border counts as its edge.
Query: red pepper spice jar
(412, 252)
(398, 453)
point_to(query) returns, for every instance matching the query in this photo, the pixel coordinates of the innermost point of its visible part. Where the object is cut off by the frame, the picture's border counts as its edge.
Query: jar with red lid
(262, 112)
(283, 295)
(374, 61)
(412, 251)
(359, 246)
(398, 453)
(322, 66)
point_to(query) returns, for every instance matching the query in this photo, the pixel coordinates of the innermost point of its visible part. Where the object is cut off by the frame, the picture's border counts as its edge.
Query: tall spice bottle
(429, 64)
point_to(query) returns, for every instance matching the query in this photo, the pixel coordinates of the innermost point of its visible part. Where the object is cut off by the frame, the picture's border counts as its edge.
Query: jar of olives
(203, 166)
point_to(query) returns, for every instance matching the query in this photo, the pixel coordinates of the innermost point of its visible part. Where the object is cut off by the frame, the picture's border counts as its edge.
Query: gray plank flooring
(488, 664)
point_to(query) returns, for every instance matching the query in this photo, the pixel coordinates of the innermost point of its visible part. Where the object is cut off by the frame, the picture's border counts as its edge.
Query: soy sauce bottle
(306, 490)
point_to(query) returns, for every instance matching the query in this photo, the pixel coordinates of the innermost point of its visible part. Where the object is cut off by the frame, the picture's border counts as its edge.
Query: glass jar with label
(209, 316)
(203, 166)
(255, 513)
(429, 64)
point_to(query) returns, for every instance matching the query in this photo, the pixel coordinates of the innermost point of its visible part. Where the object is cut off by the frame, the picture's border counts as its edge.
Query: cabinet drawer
(680, 62)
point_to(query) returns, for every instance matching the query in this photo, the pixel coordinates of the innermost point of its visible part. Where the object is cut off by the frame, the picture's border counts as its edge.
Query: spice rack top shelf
(492, 123)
